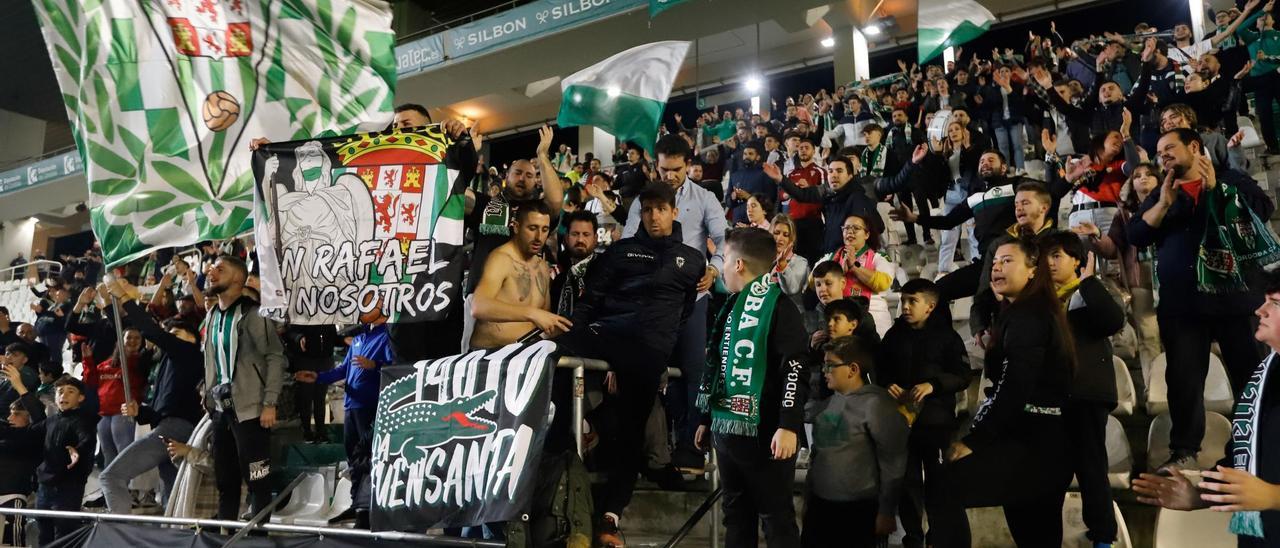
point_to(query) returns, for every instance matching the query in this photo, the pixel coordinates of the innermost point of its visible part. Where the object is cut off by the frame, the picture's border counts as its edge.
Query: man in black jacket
(844, 198)
(310, 348)
(638, 295)
(990, 205)
(1094, 316)
(172, 408)
(924, 364)
(1175, 219)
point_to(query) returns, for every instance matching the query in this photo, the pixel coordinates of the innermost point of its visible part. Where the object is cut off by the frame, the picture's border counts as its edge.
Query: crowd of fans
(751, 252)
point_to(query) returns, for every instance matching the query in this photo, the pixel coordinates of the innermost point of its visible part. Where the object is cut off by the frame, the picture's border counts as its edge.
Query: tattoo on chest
(524, 281)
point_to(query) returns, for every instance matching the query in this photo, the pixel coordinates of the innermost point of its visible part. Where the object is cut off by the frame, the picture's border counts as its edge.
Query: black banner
(457, 440)
(345, 225)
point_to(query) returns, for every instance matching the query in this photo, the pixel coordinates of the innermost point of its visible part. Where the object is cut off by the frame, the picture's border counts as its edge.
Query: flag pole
(122, 360)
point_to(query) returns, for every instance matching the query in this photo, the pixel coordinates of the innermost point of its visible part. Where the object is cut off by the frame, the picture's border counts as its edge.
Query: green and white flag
(624, 94)
(946, 23)
(165, 95)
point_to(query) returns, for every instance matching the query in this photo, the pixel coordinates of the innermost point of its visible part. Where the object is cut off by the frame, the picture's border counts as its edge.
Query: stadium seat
(1217, 430)
(308, 498)
(1126, 399)
(339, 503)
(1119, 456)
(1217, 389)
(1251, 138)
(1177, 529)
(960, 308)
(1074, 529)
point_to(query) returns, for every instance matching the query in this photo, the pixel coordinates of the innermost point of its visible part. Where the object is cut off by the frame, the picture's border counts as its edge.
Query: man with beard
(244, 367)
(514, 291)
(700, 218)
(579, 247)
(37, 352)
(990, 205)
(842, 199)
(1197, 307)
(490, 220)
(747, 181)
(630, 177)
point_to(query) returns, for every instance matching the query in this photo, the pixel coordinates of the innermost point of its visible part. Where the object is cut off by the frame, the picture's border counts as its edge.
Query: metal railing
(429, 540)
(56, 269)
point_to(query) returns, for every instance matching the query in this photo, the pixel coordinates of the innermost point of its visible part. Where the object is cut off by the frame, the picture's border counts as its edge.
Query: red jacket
(108, 379)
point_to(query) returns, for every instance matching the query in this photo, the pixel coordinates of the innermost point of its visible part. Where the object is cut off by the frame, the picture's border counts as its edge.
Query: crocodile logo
(412, 424)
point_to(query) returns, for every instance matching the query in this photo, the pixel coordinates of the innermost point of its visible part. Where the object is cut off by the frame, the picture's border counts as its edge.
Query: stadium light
(871, 30)
(828, 42)
(753, 83)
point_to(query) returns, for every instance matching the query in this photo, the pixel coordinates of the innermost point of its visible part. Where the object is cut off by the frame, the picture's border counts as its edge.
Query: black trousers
(1186, 339)
(809, 237)
(357, 430)
(1027, 476)
(829, 523)
(1086, 424)
(690, 356)
(64, 496)
(1265, 91)
(310, 399)
(241, 453)
(756, 489)
(961, 283)
(924, 479)
(638, 373)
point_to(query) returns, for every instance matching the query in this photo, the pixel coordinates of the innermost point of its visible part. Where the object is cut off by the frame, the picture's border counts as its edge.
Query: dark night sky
(1120, 17)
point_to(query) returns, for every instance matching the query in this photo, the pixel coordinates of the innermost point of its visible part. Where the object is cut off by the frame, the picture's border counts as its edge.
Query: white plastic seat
(1217, 389)
(1074, 529)
(1198, 529)
(1119, 456)
(1126, 398)
(960, 308)
(340, 502)
(1217, 430)
(308, 498)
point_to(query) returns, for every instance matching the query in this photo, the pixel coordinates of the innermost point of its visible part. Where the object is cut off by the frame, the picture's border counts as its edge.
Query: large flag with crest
(165, 95)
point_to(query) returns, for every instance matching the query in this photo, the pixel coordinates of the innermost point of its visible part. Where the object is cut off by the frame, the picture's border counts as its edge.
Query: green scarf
(1244, 443)
(495, 218)
(873, 161)
(731, 392)
(1234, 242)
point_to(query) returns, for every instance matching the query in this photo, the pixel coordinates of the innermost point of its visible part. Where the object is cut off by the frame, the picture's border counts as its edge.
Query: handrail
(24, 266)
(579, 367)
(694, 518)
(471, 17)
(434, 540)
(263, 513)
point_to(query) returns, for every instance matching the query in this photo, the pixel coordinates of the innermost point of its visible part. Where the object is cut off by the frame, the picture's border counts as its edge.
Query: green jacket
(1267, 41)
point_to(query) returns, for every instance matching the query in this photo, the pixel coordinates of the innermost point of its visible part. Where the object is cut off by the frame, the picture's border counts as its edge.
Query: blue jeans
(955, 196)
(1010, 139)
(115, 432)
(140, 457)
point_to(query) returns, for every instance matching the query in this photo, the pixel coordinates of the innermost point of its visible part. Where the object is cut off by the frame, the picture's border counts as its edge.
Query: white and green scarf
(495, 219)
(222, 334)
(1235, 242)
(732, 391)
(1244, 443)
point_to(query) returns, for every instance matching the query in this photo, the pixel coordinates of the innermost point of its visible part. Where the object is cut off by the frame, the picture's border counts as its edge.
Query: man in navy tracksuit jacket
(370, 350)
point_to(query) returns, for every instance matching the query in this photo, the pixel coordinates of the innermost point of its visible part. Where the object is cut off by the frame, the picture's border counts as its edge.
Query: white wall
(23, 137)
(15, 238)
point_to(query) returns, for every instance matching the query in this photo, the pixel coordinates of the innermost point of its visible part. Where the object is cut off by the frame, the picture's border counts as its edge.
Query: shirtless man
(513, 296)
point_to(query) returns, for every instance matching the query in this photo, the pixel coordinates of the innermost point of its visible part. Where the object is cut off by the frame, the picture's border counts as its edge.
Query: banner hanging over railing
(457, 439)
(347, 225)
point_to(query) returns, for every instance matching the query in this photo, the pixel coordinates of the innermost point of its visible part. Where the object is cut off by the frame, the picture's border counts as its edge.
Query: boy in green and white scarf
(753, 393)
